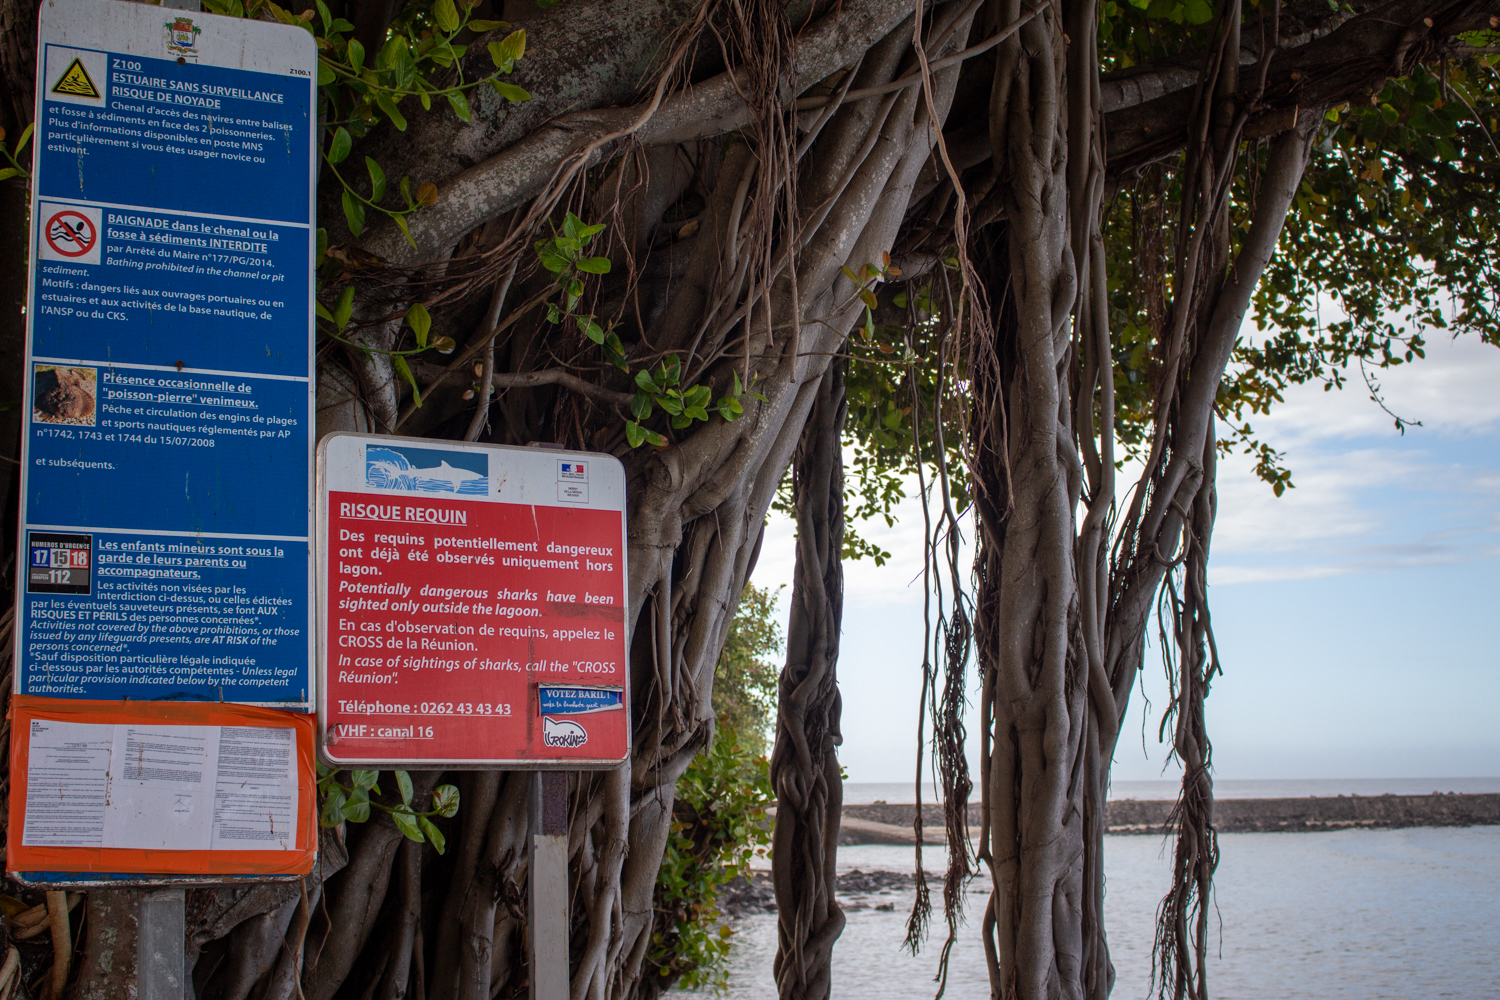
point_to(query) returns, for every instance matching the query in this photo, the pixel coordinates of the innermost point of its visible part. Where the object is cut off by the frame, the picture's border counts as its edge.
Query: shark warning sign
(473, 605)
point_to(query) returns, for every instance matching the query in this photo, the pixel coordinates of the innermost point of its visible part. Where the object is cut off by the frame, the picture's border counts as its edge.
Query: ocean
(1347, 915)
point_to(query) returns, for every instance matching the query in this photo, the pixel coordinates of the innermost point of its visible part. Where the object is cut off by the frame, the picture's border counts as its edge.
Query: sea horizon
(903, 793)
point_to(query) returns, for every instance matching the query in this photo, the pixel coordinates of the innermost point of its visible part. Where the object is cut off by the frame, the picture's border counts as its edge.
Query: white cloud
(1451, 391)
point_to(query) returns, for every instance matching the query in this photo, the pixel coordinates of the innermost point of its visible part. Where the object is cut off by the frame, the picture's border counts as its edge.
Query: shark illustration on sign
(427, 470)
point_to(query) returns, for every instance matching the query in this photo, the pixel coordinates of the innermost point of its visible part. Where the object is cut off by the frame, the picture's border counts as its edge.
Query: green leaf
(8, 173)
(643, 379)
(446, 16)
(364, 780)
(406, 822)
(322, 245)
(512, 47)
(571, 225)
(616, 352)
(591, 329)
(444, 345)
(344, 308)
(322, 311)
(640, 406)
(635, 434)
(738, 389)
(404, 370)
(332, 813)
(460, 105)
(434, 835)
(1198, 11)
(553, 261)
(325, 74)
(389, 107)
(594, 265)
(480, 26)
(356, 54)
(868, 298)
(354, 213)
(445, 800)
(357, 808)
(396, 59)
(420, 321)
(405, 188)
(400, 221)
(338, 149)
(403, 782)
(325, 14)
(377, 181)
(25, 137)
(510, 91)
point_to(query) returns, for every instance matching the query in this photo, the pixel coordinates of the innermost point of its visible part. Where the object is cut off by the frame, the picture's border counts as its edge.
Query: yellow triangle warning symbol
(75, 82)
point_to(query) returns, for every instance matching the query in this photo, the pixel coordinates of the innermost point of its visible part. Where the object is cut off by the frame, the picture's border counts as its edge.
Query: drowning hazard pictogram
(76, 82)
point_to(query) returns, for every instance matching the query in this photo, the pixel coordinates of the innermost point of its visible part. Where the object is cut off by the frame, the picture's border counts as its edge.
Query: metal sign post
(161, 945)
(161, 729)
(549, 886)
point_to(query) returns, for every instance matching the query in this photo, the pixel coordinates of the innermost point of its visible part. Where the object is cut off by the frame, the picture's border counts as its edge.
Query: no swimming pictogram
(71, 233)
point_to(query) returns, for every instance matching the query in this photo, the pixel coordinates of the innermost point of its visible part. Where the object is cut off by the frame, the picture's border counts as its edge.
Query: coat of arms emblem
(182, 37)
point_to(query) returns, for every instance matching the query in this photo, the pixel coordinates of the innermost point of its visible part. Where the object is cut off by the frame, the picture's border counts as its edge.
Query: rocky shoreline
(856, 890)
(883, 823)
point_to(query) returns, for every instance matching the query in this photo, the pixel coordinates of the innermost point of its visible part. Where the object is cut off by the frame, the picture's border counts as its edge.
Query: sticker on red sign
(473, 605)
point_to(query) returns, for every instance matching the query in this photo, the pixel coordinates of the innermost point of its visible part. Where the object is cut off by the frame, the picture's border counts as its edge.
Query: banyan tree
(1001, 251)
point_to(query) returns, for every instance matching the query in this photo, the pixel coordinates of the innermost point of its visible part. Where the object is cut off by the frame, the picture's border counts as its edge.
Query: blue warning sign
(166, 510)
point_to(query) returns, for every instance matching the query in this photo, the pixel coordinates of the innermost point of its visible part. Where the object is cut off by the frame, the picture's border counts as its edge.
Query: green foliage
(719, 820)
(351, 803)
(745, 678)
(15, 169)
(421, 57)
(565, 254)
(897, 364)
(418, 321)
(718, 825)
(1391, 237)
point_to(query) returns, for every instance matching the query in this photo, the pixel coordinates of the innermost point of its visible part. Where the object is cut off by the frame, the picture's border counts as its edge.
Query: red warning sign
(474, 610)
(70, 233)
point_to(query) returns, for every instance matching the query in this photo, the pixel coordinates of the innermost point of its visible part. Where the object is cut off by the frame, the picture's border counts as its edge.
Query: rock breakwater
(892, 824)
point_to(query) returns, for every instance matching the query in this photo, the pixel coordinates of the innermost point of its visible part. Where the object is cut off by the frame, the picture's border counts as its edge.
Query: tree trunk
(804, 764)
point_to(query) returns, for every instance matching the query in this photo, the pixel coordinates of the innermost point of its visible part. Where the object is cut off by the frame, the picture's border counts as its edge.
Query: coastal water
(1348, 915)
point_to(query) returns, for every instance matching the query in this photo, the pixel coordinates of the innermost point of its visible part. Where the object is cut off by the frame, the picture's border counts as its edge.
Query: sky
(1355, 615)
